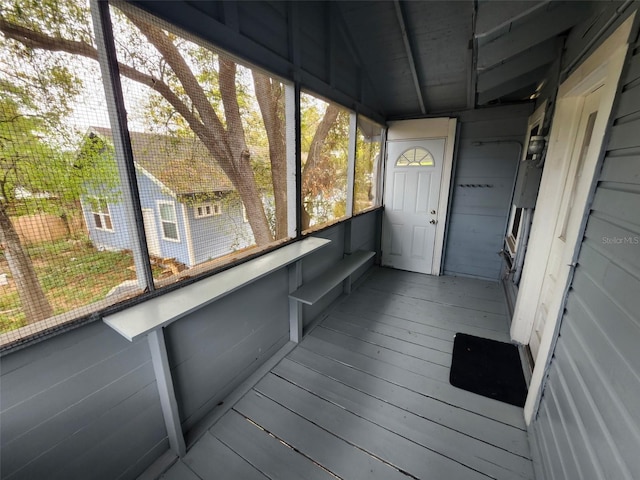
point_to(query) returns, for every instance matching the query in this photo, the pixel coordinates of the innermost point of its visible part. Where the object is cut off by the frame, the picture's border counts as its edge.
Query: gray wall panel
(84, 404)
(211, 349)
(478, 215)
(594, 376)
(63, 397)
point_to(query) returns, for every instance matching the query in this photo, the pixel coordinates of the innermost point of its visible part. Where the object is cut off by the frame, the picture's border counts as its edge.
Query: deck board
(389, 446)
(498, 434)
(366, 395)
(455, 446)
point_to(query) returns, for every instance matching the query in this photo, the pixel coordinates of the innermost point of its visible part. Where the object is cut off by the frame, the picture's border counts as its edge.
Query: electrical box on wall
(527, 185)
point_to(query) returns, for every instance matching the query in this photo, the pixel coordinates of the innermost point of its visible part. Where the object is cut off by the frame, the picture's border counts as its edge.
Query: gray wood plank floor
(366, 395)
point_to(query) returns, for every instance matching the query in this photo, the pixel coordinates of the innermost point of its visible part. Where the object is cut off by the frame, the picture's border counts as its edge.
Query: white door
(567, 222)
(151, 232)
(412, 191)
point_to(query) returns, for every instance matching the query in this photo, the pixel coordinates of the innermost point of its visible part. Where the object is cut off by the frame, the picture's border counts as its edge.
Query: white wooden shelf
(315, 289)
(161, 311)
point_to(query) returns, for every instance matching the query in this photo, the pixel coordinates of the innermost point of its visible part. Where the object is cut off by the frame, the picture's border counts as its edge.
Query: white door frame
(604, 66)
(420, 130)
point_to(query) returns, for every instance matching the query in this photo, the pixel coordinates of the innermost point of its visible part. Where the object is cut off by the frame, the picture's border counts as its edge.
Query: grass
(72, 273)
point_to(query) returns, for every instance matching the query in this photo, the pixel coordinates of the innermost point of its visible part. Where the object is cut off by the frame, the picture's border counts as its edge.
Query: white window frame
(102, 215)
(215, 208)
(163, 221)
(512, 241)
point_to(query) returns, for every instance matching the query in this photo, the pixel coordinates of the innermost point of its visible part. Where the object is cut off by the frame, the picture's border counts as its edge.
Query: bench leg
(346, 285)
(295, 307)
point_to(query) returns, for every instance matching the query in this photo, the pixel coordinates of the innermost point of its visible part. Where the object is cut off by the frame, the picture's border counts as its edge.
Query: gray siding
(84, 404)
(68, 400)
(214, 349)
(478, 215)
(588, 425)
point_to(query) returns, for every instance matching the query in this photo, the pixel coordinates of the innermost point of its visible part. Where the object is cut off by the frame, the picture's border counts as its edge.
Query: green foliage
(366, 152)
(49, 179)
(72, 274)
(326, 183)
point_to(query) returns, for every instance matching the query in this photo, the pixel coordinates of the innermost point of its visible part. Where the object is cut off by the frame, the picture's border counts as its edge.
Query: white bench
(317, 288)
(314, 290)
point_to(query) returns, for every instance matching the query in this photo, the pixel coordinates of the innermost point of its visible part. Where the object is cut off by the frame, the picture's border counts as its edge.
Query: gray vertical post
(120, 133)
(168, 401)
(351, 166)
(295, 307)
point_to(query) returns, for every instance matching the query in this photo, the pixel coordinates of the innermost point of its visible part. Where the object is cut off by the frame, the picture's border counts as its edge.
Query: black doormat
(489, 368)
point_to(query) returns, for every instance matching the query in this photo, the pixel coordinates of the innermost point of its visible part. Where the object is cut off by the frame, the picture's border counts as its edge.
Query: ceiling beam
(493, 16)
(539, 28)
(410, 57)
(513, 85)
(472, 54)
(527, 61)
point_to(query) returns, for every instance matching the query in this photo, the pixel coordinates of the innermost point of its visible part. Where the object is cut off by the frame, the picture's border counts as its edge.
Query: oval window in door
(415, 157)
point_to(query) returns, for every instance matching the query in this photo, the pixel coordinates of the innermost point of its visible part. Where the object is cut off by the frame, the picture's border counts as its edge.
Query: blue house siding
(211, 236)
(118, 239)
(219, 234)
(150, 194)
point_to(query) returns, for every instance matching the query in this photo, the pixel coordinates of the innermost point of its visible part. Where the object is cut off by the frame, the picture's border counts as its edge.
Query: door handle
(433, 221)
(433, 212)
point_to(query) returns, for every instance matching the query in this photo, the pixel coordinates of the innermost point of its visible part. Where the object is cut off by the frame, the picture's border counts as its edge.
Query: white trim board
(436, 127)
(604, 66)
(138, 320)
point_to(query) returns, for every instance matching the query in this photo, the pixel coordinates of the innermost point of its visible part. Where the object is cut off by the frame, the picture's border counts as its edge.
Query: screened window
(224, 139)
(101, 214)
(58, 177)
(168, 220)
(325, 158)
(367, 165)
(415, 157)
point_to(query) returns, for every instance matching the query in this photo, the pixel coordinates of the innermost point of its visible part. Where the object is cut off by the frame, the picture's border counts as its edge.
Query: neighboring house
(190, 209)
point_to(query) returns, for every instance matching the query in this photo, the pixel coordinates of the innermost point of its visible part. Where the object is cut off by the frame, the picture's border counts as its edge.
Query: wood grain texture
(366, 395)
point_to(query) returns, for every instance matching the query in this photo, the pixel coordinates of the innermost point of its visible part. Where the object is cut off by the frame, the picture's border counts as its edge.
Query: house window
(415, 157)
(207, 210)
(515, 224)
(101, 214)
(169, 221)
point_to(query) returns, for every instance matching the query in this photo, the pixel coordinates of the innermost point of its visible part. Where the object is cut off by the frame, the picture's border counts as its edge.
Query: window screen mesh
(208, 140)
(325, 152)
(368, 143)
(209, 143)
(58, 191)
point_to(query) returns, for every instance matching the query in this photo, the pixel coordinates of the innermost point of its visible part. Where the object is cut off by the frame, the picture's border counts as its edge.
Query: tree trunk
(227, 146)
(270, 96)
(34, 302)
(313, 157)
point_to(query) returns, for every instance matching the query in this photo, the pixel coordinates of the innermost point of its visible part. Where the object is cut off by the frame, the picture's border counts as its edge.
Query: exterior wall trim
(605, 63)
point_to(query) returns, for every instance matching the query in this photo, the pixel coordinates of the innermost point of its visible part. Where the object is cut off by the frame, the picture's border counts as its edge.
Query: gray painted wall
(478, 215)
(84, 404)
(588, 424)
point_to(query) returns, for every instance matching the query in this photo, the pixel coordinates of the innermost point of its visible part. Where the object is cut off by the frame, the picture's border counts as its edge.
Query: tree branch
(191, 85)
(38, 40)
